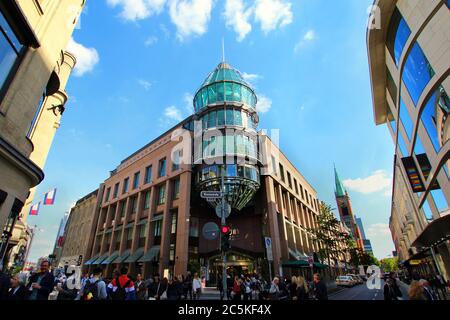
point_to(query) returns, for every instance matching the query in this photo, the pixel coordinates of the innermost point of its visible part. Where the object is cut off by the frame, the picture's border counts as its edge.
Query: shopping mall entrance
(237, 264)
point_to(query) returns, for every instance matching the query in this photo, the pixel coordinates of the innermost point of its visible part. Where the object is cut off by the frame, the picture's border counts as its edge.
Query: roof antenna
(223, 50)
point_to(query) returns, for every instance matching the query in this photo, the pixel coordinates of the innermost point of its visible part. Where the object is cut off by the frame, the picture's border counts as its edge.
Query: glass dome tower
(226, 143)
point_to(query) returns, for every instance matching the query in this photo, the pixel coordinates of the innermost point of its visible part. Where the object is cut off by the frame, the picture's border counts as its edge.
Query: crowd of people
(44, 285)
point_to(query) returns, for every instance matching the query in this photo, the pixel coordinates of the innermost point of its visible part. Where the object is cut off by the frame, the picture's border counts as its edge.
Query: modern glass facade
(226, 109)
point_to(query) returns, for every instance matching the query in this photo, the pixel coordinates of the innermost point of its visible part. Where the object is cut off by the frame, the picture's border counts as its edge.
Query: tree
(389, 264)
(327, 234)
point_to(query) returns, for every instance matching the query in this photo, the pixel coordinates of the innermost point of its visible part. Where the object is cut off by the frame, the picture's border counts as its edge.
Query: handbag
(163, 296)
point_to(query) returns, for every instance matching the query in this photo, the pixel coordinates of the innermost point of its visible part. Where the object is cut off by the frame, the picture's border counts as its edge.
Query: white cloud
(191, 17)
(173, 113)
(250, 77)
(150, 41)
(378, 181)
(188, 100)
(273, 14)
(309, 36)
(378, 230)
(237, 17)
(133, 10)
(264, 104)
(145, 84)
(87, 58)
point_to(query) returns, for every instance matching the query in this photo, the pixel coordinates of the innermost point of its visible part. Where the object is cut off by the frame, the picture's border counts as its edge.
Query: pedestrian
(94, 288)
(18, 291)
(274, 291)
(247, 289)
(427, 291)
(301, 292)
(140, 287)
(4, 285)
(236, 290)
(41, 284)
(175, 289)
(122, 287)
(64, 292)
(220, 287)
(154, 287)
(416, 291)
(388, 290)
(397, 291)
(320, 291)
(230, 284)
(292, 288)
(196, 287)
(187, 286)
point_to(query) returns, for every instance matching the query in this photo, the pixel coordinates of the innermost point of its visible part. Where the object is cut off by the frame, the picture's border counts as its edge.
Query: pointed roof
(340, 190)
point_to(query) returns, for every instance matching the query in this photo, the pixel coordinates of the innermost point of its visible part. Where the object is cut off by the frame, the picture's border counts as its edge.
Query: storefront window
(417, 73)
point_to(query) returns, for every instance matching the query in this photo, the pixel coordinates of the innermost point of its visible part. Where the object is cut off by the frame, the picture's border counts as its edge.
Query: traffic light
(225, 238)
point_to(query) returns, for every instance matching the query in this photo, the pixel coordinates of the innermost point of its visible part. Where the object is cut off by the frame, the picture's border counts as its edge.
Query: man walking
(94, 288)
(122, 287)
(319, 288)
(41, 284)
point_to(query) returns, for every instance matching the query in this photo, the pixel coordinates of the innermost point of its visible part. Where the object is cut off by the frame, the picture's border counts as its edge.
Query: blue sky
(138, 67)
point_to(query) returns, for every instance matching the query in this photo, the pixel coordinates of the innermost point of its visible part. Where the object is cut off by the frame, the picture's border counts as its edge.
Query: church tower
(346, 212)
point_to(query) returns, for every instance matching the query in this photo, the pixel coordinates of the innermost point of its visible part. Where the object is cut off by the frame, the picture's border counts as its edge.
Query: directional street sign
(210, 231)
(268, 243)
(211, 194)
(226, 207)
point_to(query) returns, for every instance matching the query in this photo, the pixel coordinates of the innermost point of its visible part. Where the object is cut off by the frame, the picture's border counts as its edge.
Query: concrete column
(182, 241)
(165, 230)
(274, 232)
(150, 235)
(284, 253)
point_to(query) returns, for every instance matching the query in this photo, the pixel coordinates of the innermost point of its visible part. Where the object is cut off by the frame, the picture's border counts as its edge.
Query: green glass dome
(224, 84)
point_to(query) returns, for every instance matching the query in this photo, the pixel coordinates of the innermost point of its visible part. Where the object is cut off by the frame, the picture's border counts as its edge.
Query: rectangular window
(289, 180)
(136, 178)
(392, 88)
(193, 227)
(229, 117)
(134, 204)
(116, 190)
(157, 228)
(142, 235)
(161, 195)
(108, 191)
(147, 200)
(398, 35)
(221, 117)
(237, 117)
(10, 48)
(281, 172)
(117, 236)
(295, 186)
(212, 119)
(173, 223)
(172, 252)
(125, 185)
(122, 208)
(162, 168)
(176, 189)
(148, 174)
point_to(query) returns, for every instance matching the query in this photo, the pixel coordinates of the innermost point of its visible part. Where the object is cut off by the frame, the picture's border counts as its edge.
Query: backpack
(120, 293)
(90, 291)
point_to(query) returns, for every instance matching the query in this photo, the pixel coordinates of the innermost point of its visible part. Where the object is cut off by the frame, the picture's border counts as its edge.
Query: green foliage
(389, 264)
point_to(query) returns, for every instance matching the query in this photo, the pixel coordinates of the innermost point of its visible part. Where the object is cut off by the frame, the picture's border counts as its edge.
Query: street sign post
(223, 209)
(269, 253)
(210, 231)
(211, 195)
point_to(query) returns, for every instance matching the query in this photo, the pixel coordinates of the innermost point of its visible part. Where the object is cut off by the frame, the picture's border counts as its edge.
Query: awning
(135, 256)
(100, 259)
(108, 231)
(296, 264)
(150, 254)
(111, 258)
(118, 228)
(144, 221)
(91, 260)
(121, 258)
(435, 233)
(156, 218)
(130, 225)
(297, 255)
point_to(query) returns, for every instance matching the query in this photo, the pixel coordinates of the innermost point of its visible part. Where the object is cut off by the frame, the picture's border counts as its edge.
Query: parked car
(345, 281)
(355, 278)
